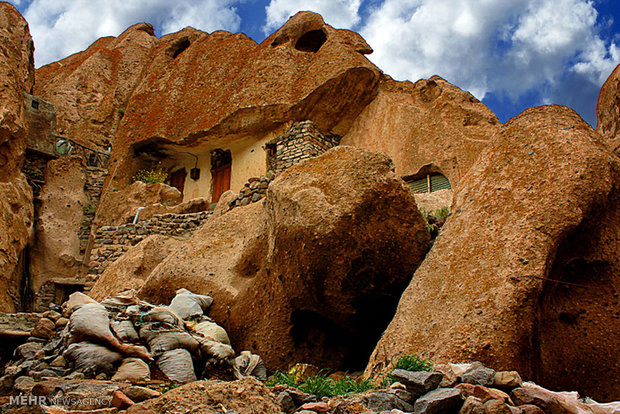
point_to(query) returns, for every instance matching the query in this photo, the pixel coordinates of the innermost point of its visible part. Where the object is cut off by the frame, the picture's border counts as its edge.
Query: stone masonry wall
(95, 178)
(253, 191)
(112, 241)
(302, 141)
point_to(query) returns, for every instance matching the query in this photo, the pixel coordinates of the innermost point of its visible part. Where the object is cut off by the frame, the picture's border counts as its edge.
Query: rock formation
(522, 274)
(325, 256)
(16, 210)
(608, 111)
(56, 250)
(429, 125)
(91, 89)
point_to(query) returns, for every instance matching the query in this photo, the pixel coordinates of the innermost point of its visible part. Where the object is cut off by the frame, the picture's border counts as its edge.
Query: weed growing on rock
(407, 363)
(321, 385)
(156, 175)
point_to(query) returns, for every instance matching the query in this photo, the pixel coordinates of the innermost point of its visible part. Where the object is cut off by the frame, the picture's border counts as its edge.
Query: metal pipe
(135, 220)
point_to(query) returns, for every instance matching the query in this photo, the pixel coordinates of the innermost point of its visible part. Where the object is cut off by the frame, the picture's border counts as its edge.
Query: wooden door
(221, 181)
(177, 180)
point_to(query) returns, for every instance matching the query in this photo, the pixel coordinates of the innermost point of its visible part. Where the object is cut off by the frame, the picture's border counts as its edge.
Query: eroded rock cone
(608, 111)
(540, 205)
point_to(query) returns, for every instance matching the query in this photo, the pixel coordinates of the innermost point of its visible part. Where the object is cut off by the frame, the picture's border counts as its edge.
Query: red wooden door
(221, 181)
(177, 180)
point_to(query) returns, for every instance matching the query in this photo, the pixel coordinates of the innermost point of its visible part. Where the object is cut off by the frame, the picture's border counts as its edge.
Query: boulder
(418, 382)
(325, 256)
(246, 396)
(441, 400)
(540, 205)
(429, 125)
(91, 89)
(608, 111)
(16, 210)
(131, 270)
(120, 207)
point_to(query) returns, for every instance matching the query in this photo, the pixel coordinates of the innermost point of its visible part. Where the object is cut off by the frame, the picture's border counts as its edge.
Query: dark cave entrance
(311, 41)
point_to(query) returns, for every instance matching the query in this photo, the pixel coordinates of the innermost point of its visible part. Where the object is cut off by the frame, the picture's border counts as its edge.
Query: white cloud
(503, 46)
(338, 13)
(62, 27)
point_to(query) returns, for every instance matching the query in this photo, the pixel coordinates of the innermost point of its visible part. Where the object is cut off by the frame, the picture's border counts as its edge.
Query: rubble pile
(127, 339)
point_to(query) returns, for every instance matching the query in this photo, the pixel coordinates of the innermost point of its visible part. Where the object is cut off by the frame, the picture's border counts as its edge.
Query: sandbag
(92, 359)
(90, 322)
(133, 369)
(212, 349)
(177, 365)
(211, 331)
(162, 337)
(124, 330)
(122, 300)
(187, 304)
(76, 299)
(156, 314)
(249, 364)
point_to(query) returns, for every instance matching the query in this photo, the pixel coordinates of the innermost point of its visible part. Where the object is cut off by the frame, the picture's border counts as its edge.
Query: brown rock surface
(16, 78)
(246, 396)
(91, 89)
(120, 207)
(325, 256)
(540, 204)
(132, 269)
(608, 111)
(427, 123)
(56, 251)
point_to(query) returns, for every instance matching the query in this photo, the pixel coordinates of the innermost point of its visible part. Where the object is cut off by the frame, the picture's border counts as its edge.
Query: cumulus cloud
(63, 27)
(507, 47)
(338, 13)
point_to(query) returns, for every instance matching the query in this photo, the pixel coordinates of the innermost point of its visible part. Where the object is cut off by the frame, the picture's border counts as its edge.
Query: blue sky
(511, 54)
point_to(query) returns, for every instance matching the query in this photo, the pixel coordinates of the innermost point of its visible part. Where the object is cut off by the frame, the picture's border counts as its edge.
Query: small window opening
(272, 149)
(179, 48)
(429, 183)
(311, 41)
(35, 104)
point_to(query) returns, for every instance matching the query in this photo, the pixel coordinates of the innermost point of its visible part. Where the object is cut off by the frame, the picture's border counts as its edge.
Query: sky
(510, 54)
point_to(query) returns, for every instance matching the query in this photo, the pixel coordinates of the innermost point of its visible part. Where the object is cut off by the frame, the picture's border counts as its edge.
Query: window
(429, 183)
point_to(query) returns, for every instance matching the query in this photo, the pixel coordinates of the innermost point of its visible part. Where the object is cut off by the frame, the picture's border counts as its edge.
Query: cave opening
(179, 47)
(311, 41)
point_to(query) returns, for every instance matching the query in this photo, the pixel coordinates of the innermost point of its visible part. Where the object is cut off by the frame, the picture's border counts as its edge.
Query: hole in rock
(311, 41)
(179, 48)
(342, 347)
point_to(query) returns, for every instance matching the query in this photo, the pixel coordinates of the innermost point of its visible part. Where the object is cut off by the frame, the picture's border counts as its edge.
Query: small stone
(74, 376)
(40, 354)
(507, 379)
(530, 409)
(59, 362)
(497, 407)
(449, 376)
(139, 394)
(485, 394)
(317, 407)
(286, 402)
(441, 400)
(44, 328)
(121, 401)
(28, 349)
(418, 382)
(478, 376)
(23, 384)
(101, 376)
(256, 197)
(472, 405)
(52, 315)
(383, 401)
(45, 373)
(536, 396)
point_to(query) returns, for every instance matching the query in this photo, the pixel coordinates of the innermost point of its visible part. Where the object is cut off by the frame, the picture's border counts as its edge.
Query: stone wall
(254, 190)
(302, 141)
(95, 178)
(112, 241)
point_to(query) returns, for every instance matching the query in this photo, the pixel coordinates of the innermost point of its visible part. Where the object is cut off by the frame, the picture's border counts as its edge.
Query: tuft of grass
(321, 385)
(408, 363)
(156, 175)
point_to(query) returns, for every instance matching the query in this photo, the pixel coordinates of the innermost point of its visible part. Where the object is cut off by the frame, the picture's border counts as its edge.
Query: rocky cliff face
(16, 78)
(91, 89)
(430, 124)
(513, 276)
(608, 111)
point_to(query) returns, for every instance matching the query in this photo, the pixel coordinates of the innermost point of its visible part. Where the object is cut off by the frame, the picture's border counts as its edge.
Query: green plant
(407, 363)
(155, 175)
(89, 209)
(435, 219)
(170, 386)
(321, 385)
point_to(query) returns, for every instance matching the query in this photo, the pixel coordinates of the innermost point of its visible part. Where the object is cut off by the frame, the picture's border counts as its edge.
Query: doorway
(221, 167)
(177, 179)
